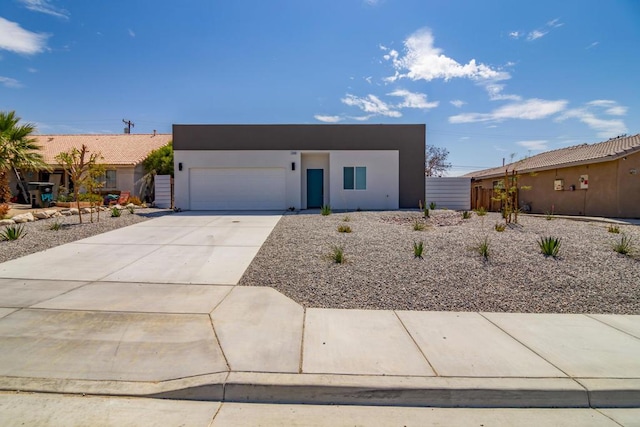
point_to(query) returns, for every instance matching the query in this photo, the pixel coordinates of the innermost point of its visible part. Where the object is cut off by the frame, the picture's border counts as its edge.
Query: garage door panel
(237, 188)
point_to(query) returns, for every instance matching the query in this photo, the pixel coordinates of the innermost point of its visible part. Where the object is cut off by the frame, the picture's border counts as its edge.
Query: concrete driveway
(153, 310)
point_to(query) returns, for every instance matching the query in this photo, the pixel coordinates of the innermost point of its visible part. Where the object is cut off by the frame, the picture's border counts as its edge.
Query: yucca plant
(623, 247)
(115, 212)
(55, 226)
(325, 210)
(550, 246)
(418, 249)
(13, 232)
(466, 214)
(432, 206)
(426, 212)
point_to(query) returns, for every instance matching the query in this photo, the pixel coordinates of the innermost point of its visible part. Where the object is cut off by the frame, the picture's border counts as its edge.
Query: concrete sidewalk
(152, 310)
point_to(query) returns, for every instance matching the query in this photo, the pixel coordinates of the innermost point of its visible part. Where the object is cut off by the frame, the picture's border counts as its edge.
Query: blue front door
(315, 188)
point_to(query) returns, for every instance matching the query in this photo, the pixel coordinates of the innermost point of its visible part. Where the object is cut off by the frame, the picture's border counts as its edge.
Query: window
(110, 179)
(355, 178)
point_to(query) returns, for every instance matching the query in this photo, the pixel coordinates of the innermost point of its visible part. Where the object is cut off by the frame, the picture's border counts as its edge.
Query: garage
(237, 189)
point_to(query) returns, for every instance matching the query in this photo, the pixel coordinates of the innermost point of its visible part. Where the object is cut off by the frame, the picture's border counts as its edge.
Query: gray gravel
(382, 273)
(40, 237)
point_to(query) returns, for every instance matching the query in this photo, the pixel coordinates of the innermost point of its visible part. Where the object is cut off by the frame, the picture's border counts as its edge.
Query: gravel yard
(40, 237)
(381, 272)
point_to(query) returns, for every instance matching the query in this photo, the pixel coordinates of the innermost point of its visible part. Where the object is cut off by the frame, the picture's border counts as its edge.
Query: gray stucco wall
(409, 140)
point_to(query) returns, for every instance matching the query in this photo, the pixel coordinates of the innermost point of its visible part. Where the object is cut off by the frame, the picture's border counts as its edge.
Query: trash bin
(41, 194)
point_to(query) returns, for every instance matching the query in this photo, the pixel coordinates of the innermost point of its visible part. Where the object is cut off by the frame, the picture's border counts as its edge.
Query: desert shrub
(426, 212)
(325, 210)
(418, 225)
(337, 255)
(13, 232)
(466, 214)
(481, 211)
(432, 206)
(115, 212)
(135, 200)
(418, 249)
(55, 226)
(550, 246)
(623, 246)
(131, 209)
(346, 218)
(4, 210)
(613, 229)
(500, 227)
(483, 248)
(344, 229)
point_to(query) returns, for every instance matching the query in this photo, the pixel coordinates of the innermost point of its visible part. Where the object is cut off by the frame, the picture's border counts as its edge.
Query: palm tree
(17, 150)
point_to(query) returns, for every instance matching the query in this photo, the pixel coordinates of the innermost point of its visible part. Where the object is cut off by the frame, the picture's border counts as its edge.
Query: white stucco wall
(382, 192)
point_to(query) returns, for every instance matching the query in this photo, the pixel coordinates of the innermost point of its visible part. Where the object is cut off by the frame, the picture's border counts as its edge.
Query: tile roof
(570, 156)
(117, 149)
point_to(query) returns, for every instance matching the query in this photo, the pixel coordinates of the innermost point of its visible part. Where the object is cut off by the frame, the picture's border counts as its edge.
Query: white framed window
(354, 178)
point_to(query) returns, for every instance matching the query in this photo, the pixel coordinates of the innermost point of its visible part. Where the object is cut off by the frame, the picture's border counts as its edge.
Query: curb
(319, 389)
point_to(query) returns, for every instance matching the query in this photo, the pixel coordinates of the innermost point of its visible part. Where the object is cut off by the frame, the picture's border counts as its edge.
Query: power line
(129, 124)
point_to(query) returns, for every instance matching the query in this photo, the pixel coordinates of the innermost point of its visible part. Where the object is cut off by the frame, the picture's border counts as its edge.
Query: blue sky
(490, 79)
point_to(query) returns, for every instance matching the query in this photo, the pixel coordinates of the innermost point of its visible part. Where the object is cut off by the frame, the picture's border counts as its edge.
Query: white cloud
(131, 33)
(515, 34)
(592, 45)
(45, 6)
(9, 82)
(537, 145)
(372, 2)
(423, 61)
(32, 70)
(531, 109)
(536, 34)
(361, 118)
(555, 23)
(413, 100)
(371, 104)
(605, 127)
(457, 103)
(328, 119)
(368, 79)
(495, 92)
(16, 39)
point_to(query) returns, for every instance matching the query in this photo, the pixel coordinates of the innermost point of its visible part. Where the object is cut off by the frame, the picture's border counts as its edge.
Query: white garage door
(237, 188)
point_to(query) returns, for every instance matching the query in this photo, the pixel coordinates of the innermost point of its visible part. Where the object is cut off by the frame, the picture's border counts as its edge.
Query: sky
(490, 79)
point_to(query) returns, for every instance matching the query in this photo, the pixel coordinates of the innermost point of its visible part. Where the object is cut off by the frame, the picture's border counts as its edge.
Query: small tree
(78, 168)
(436, 161)
(93, 183)
(159, 162)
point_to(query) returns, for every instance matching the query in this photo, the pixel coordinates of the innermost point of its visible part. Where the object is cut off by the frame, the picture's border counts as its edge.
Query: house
(122, 155)
(600, 179)
(275, 167)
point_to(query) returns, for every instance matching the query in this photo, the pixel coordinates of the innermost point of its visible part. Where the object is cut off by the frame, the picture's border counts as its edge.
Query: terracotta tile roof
(570, 156)
(120, 149)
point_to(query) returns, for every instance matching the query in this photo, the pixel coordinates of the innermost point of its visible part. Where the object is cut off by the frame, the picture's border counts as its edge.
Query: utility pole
(129, 124)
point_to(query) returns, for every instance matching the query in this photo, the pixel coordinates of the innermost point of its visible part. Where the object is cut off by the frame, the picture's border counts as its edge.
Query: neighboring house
(121, 154)
(255, 167)
(590, 179)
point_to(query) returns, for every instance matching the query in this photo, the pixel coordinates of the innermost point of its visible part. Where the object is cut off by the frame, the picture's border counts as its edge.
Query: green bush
(481, 211)
(426, 212)
(550, 246)
(500, 227)
(466, 214)
(115, 212)
(418, 225)
(325, 210)
(483, 248)
(432, 206)
(55, 226)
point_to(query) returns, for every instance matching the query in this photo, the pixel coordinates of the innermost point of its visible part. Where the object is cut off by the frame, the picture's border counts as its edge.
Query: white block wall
(448, 192)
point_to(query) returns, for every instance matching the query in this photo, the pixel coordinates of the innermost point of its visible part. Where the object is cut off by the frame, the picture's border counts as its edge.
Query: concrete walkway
(152, 310)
